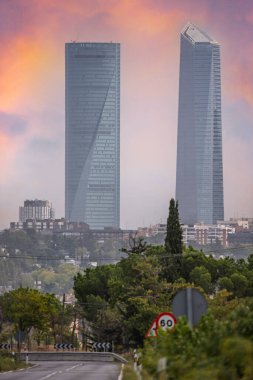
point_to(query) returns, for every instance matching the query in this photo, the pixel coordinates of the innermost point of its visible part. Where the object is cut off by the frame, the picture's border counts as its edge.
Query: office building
(36, 210)
(199, 182)
(92, 166)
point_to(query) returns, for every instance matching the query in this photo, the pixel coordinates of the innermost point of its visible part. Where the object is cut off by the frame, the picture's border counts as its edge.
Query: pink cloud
(33, 34)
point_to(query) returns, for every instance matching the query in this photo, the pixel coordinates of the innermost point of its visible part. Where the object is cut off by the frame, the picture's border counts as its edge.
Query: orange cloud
(135, 17)
(21, 65)
(32, 82)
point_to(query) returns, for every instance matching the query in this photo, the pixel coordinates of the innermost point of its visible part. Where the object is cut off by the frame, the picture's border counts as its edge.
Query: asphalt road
(66, 371)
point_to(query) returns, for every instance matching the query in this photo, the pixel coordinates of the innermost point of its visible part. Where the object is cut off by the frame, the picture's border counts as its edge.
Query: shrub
(8, 362)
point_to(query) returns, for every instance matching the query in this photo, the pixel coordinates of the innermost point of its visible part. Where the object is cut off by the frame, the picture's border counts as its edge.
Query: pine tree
(174, 237)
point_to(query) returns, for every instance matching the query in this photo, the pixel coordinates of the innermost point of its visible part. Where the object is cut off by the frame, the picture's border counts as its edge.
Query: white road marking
(74, 366)
(49, 375)
(121, 372)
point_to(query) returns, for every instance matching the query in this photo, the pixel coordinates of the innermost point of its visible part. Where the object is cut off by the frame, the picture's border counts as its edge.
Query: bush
(129, 373)
(8, 362)
(236, 359)
(213, 350)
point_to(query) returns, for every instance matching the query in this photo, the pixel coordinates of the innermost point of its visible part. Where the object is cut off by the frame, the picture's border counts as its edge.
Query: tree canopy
(131, 293)
(174, 236)
(28, 309)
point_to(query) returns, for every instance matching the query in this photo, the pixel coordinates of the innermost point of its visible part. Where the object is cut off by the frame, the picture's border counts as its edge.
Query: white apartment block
(36, 210)
(201, 234)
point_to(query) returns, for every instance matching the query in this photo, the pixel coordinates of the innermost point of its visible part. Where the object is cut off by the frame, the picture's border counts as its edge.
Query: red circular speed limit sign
(166, 321)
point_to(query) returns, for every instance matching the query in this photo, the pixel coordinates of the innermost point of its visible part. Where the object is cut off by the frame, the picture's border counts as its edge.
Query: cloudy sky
(32, 37)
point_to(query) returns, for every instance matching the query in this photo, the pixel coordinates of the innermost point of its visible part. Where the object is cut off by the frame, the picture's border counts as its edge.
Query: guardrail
(69, 356)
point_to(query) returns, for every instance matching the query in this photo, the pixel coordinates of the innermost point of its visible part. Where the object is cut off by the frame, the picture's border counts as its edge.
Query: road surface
(66, 371)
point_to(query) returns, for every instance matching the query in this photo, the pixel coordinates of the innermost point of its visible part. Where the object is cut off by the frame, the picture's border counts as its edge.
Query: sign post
(191, 303)
(161, 368)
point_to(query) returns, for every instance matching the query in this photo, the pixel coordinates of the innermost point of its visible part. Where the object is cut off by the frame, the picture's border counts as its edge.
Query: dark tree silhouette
(174, 237)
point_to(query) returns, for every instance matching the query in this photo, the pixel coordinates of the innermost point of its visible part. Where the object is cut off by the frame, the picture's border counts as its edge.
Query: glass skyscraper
(199, 182)
(92, 166)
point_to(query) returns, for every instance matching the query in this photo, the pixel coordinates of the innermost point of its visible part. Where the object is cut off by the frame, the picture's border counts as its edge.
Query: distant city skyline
(199, 177)
(92, 154)
(32, 111)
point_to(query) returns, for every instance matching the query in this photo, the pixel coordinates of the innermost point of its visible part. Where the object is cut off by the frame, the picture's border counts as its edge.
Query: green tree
(93, 282)
(189, 261)
(215, 349)
(54, 313)
(226, 267)
(174, 237)
(225, 283)
(201, 277)
(29, 309)
(240, 284)
(130, 293)
(236, 359)
(171, 261)
(250, 262)
(139, 293)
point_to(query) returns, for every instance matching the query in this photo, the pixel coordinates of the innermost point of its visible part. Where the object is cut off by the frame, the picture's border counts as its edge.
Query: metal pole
(63, 304)
(189, 306)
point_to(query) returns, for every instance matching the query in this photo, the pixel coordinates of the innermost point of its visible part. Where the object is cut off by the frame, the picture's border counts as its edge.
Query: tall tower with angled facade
(92, 134)
(199, 182)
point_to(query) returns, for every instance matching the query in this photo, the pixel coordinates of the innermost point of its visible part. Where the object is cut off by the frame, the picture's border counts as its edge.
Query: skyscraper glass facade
(92, 167)
(199, 182)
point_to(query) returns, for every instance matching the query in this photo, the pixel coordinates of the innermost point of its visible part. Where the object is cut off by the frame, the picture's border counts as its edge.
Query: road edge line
(121, 372)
